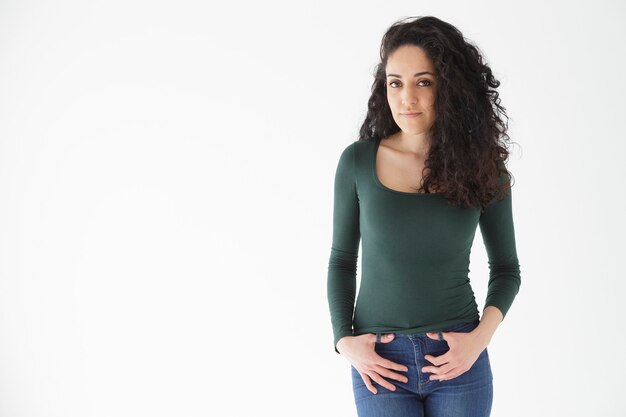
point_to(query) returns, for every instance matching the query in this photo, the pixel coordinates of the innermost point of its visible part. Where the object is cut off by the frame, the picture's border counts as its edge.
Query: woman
(427, 171)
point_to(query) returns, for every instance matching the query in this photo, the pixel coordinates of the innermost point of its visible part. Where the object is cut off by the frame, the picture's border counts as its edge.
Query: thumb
(386, 338)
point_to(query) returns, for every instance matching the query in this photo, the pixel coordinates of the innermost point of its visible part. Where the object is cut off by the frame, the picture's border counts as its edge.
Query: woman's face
(411, 88)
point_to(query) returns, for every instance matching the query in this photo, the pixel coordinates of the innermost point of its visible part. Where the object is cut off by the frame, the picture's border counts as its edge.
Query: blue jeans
(468, 395)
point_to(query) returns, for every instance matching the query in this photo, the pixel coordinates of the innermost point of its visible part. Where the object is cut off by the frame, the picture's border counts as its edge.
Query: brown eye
(392, 82)
(427, 81)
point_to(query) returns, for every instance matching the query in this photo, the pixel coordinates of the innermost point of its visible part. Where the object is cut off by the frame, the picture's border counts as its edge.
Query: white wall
(166, 179)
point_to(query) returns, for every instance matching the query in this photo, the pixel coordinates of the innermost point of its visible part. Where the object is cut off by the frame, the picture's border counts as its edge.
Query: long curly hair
(468, 147)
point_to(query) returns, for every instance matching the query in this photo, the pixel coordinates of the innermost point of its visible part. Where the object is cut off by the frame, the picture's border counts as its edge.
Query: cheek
(429, 99)
(392, 101)
(395, 105)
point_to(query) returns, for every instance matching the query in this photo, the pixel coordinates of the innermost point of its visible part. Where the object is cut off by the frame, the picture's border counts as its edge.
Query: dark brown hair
(468, 147)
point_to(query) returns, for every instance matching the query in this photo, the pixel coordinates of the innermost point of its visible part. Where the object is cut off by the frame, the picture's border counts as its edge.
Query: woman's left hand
(465, 347)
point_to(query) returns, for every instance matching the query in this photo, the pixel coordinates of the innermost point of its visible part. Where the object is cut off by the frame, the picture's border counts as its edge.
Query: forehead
(408, 59)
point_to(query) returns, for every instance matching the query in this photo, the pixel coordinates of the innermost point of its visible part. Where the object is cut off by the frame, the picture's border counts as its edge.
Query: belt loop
(440, 335)
(377, 337)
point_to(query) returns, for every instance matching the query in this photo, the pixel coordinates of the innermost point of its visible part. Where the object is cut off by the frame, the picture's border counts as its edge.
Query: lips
(411, 114)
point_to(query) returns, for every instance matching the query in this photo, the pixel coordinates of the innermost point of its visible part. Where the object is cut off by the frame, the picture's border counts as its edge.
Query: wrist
(483, 336)
(341, 342)
(491, 318)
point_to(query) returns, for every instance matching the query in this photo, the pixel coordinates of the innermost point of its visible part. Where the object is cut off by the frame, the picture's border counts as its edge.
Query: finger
(433, 335)
(390, 364)
(453, 372)
(381, 381)
(446, 377)
(446, 335)
(386, 338)
(439, 360)
(439, 370)
(368, 382)
(388, 374)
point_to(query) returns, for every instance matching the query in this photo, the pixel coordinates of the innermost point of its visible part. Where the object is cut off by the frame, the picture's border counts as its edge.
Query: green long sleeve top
(415, 254)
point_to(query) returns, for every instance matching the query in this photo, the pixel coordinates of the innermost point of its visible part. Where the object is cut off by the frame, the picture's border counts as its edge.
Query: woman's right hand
(359, 350)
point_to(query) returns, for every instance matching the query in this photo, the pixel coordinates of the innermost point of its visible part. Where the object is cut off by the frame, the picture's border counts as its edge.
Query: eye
(428, 83)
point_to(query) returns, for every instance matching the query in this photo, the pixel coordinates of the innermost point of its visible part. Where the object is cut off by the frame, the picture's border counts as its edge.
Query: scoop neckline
(383, 186)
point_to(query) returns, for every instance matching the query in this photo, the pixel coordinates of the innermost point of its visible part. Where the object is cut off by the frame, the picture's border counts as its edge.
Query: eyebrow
(417, 74)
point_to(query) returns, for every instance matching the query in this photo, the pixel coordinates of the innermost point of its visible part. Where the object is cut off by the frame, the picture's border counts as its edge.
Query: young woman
(427, 171)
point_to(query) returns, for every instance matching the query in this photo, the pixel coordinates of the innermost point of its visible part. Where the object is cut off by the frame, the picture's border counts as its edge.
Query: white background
(166, 174)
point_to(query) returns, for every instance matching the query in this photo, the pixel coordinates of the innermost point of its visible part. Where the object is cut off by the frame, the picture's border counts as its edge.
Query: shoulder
(356, 145)
(356, 149)
(353, 161)
(355, 157)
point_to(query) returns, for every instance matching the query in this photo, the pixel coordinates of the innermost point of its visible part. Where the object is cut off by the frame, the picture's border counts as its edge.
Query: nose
(408, 96)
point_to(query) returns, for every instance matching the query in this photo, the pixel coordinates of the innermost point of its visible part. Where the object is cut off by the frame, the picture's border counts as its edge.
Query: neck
(418, 144)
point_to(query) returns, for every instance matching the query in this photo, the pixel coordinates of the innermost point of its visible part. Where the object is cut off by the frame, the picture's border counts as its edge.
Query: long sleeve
(341, 281)
(496, 226)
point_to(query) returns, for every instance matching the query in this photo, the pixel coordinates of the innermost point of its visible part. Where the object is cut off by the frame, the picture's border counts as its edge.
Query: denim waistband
(459, 327)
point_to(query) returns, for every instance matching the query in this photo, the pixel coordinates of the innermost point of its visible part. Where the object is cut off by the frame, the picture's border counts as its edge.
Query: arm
(341, 280)
(497, 229)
